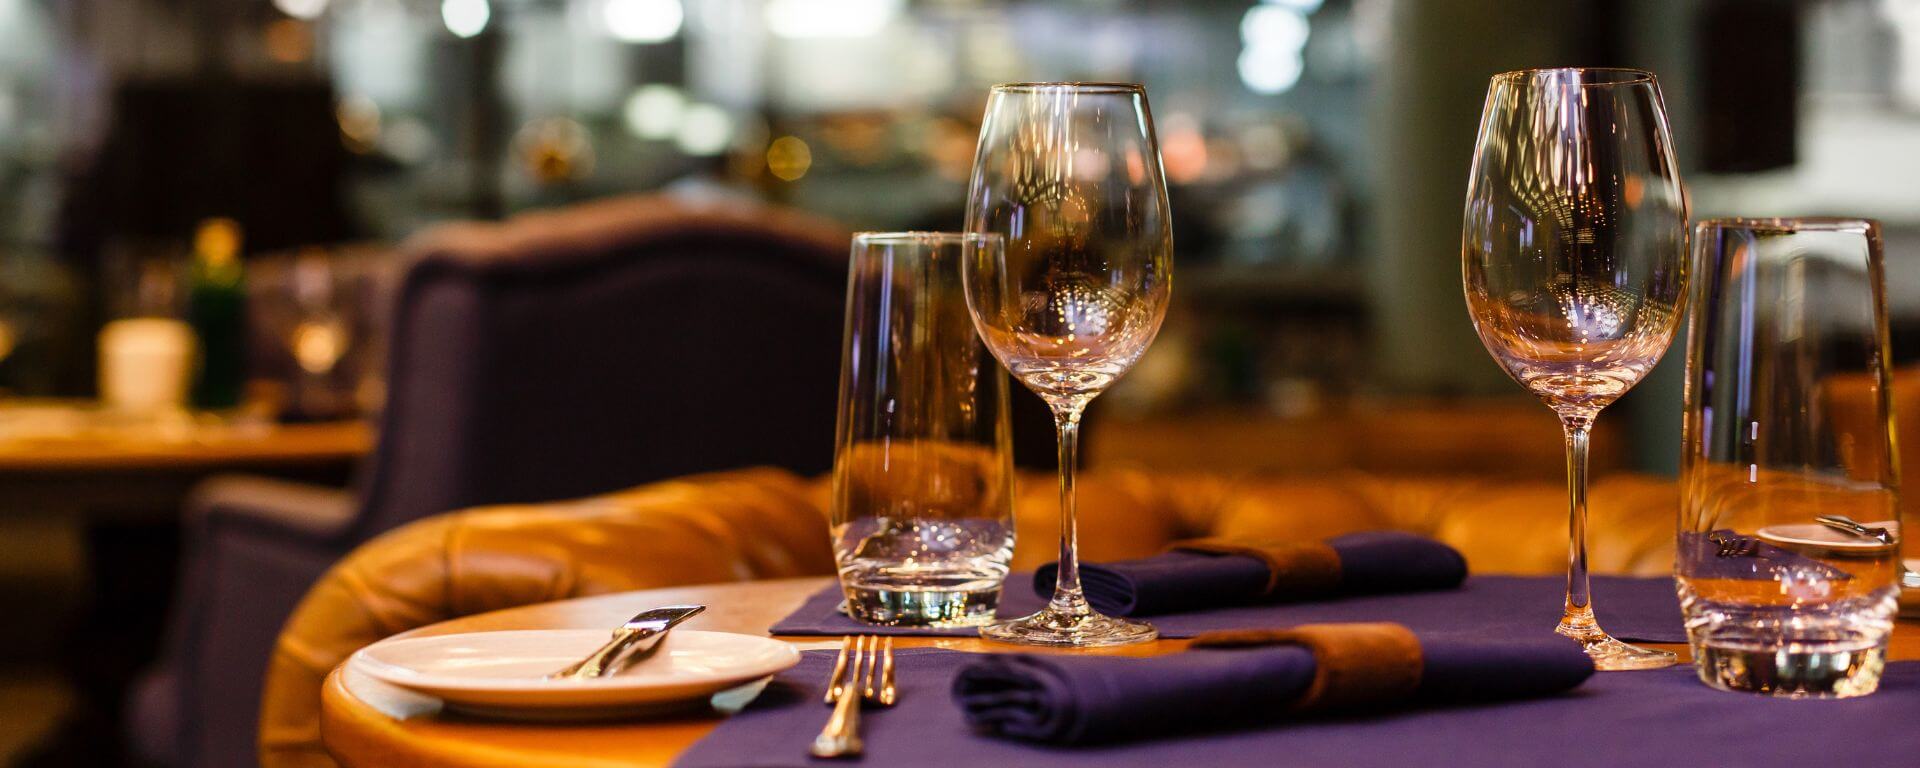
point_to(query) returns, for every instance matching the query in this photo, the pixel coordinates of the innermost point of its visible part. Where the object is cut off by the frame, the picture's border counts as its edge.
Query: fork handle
(608, 658)
(1855, 527)
(841, 736)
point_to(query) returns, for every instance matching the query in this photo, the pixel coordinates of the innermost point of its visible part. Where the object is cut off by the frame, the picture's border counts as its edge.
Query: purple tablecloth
(1487, 607)
(1617, 720)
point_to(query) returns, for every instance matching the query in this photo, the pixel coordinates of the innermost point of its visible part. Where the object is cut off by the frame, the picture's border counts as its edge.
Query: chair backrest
(574, 352)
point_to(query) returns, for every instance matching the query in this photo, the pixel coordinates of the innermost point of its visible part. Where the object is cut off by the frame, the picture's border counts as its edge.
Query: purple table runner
(1486, 607)
(1616, 720)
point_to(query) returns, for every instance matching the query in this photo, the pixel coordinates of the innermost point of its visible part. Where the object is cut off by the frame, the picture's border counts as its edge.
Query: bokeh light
(654, 111)
(1273, 38)
(465, 18)
(788, 158)
(642, 21)
(359, 119)
(705, 130)
(830, 18)
(302, 9)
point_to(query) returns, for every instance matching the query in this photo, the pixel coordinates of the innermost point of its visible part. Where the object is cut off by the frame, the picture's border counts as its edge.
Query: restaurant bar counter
(766, 524)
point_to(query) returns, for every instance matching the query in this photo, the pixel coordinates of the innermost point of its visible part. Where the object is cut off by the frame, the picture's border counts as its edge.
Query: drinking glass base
(1059, 629)
(1792, 671)
(896, 605)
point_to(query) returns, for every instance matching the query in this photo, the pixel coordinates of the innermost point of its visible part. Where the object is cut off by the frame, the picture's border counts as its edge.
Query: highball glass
(1788, 446)
(923, 470)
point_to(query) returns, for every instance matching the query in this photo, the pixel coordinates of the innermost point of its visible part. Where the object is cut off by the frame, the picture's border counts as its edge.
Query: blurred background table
(65, 457)
(90, 531)
(361, 729)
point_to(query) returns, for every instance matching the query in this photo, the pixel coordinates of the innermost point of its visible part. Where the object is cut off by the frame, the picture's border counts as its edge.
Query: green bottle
(217, 310)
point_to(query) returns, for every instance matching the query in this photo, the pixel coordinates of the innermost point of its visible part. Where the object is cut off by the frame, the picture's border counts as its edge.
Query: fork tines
(1735, 545)
(866, 662)
(848, 645)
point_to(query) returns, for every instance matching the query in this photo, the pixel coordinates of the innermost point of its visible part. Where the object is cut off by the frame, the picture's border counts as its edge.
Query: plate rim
(1858, 543)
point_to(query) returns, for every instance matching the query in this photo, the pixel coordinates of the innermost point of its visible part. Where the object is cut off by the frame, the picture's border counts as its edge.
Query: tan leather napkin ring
(1356, 665)
(1293, 570)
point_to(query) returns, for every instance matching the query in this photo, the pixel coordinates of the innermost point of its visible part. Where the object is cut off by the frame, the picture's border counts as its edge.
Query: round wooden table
(366, 723)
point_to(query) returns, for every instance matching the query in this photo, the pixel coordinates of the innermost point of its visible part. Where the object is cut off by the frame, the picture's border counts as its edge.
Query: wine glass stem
(1577, 620)
(1067, 597)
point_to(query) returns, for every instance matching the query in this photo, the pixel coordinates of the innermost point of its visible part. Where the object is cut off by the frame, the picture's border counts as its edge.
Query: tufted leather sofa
(768, 523)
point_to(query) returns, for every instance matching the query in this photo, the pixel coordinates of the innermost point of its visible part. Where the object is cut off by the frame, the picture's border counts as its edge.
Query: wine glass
(308, 303)
(1575, 267)
(1069, 175)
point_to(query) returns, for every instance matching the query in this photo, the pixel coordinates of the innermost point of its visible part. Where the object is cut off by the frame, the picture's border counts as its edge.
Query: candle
(145, 363)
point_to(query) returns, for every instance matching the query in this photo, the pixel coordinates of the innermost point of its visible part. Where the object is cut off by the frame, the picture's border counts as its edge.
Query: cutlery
(1735, 546)
(633, 641)
(1848, 524)
(863, 671)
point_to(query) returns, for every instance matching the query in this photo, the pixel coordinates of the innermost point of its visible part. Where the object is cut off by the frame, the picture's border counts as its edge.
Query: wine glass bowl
(1072, 337)
(1069, 176)
(1574, 265)
(1576, 346)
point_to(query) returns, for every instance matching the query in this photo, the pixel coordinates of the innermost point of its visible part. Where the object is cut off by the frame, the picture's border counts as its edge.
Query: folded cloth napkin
(1247, 677)
(1214, 573)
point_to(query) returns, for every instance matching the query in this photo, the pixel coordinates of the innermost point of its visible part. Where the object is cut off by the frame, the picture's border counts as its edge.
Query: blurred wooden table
(360, 732)
(103, 472)
(120, 486)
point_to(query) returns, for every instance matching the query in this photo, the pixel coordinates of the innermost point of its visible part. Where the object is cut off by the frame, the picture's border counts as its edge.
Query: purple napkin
(1372, 562)
(1061, 699)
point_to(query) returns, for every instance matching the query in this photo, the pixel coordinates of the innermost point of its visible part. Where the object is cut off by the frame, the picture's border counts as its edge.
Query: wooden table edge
(280, 445)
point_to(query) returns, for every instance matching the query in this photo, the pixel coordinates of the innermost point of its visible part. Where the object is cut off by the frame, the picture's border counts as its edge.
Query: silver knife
(633, 641)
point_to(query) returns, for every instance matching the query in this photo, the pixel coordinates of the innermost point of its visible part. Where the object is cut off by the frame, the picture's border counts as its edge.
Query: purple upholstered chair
(554, 356)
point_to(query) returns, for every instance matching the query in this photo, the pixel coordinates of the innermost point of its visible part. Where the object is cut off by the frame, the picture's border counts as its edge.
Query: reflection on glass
(1788, 421)
(1574, 265)
(1069, 174)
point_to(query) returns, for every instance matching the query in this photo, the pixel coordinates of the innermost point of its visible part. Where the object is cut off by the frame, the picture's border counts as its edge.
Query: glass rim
(1631, 76)
(1083, 87)
(1791, 224)
(921, 237)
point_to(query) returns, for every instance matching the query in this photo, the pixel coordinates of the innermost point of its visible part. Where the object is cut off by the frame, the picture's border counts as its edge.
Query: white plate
(503, 674)
(1817, 535)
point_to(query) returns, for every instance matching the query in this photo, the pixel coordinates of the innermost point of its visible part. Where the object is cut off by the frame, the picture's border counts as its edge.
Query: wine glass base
(1065, 630)
(1610, 655)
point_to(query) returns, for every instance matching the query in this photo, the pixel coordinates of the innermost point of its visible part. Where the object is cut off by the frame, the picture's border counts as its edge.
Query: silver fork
(632, 643)
(1848, 524)
(864, 670)
(1735, 546)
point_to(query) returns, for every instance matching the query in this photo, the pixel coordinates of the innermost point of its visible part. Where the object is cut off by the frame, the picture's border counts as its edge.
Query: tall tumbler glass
(1788, 558)
(923, 468)
(1575, 265)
